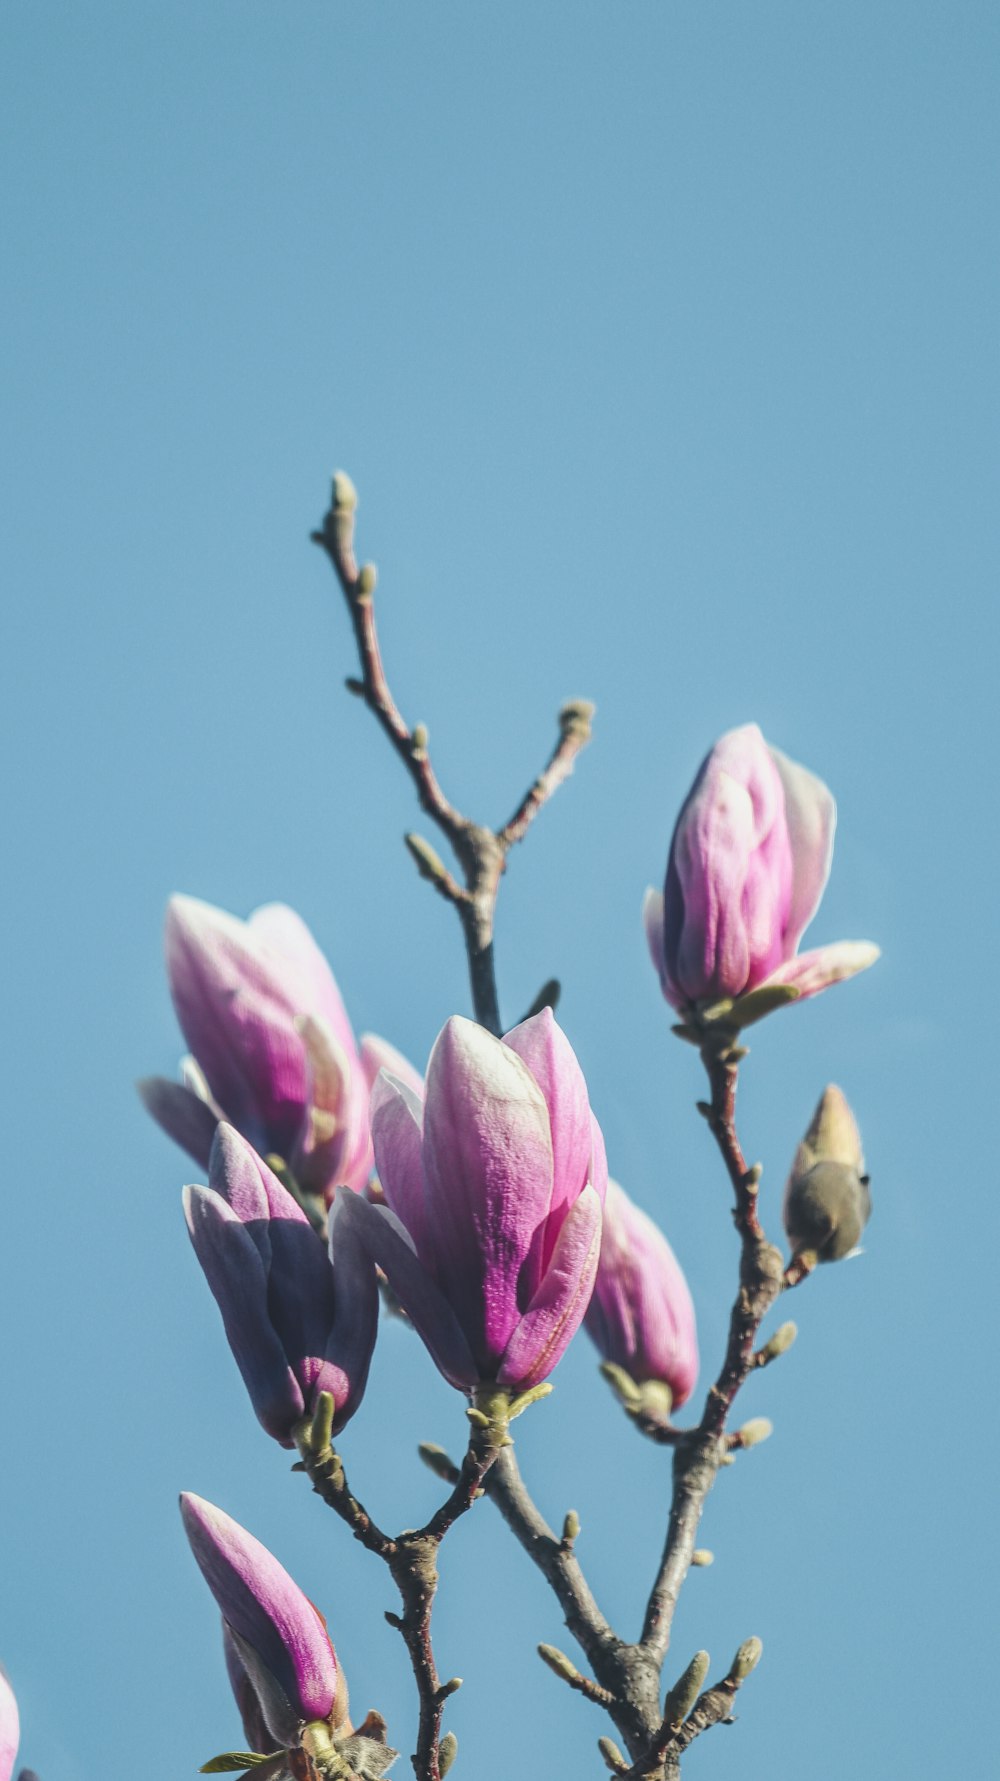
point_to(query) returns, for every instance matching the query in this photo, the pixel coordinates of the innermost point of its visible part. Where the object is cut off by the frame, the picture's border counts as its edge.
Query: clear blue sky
(661, 341)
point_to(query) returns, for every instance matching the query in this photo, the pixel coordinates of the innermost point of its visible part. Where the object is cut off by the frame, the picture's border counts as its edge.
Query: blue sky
(661, 342)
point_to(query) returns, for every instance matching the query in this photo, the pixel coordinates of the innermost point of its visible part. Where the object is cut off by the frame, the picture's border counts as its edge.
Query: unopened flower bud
(571, 1527)
(777, 1344)
(747, 1658)
(558, 1662)
(447, 1752)
(827, 1199)
(748, 861)
(10, 1728)
(494, 1185)
(613, 1758)
(702, 1557)
(758, 1429)
(686, 1690)
(641, 1315)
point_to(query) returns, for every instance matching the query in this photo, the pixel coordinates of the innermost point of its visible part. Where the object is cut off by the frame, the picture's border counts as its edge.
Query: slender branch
(481, 851)
(411, 1558)
(698, 1456)
(625, 1674)
(575, 720)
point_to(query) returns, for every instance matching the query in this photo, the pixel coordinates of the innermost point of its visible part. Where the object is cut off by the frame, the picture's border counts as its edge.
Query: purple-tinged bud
(493, 1186)
(749, 860)
(274, 1053)
(827, 1199)
(641, 1316)
(278, 1637)
(10, 1727)
(301, 1318)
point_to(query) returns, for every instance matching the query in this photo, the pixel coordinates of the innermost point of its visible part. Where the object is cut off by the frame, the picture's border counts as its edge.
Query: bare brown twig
(481, 851)
(411, 1558)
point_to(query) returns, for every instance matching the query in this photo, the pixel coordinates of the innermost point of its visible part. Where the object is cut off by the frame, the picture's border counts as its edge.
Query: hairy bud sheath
(827, 1197)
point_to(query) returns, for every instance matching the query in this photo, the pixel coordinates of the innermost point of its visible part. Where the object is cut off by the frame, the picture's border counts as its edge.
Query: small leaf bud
(571, 1527)
(681, 1698)
(747, 1658)
(343, 494)
(758, 1429)
(613, 1758)
(777, 1344)
(437, 1461)
(447, 1752)
(558, 1662)
(702, 1557)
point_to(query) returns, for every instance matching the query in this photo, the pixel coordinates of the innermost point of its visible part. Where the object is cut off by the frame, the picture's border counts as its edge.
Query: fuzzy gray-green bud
(613, 1758)
(827, 1199)
(447, 1752)
(747, 1658)
(559, 1662)
(571, 1527)
(686, 1690)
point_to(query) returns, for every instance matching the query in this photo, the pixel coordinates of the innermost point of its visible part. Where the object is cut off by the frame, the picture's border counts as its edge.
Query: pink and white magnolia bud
(749, 860)
(301, 1316)
(273, 1050)
(493, 1187)
(10, 1727)
(641, 1316)
(827, 1198)
(278, 1637)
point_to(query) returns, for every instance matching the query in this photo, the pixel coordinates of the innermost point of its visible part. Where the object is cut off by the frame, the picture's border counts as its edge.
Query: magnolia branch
(481, 851)
(411, 1558)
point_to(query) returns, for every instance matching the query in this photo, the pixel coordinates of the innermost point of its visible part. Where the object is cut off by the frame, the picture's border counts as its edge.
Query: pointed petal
(300, 1299)
(286, 934)
(652, 921)
(557, 1309)
(397, 1119)
(541, 1044)
(598, 1177)
(391, 1248)
(814, 971)
(264, 1607)
(237, 1015)
(184, 1117)
(729, 874)
(641, 1316)
(488, 1176)
(237, 1277)
(377, 1054)
(10, 1727)
(351, 1341)
(811, 817)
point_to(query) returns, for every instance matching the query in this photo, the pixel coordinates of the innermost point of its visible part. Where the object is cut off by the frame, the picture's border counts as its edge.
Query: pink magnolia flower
(273, 1050)
(493, 1186)
(301, 1318)
(641, 1316)
(749, 860)
(10, 1728)
(274, 1634)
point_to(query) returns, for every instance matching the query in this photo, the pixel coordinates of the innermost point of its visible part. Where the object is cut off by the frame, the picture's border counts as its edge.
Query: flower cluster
(480, 1194)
